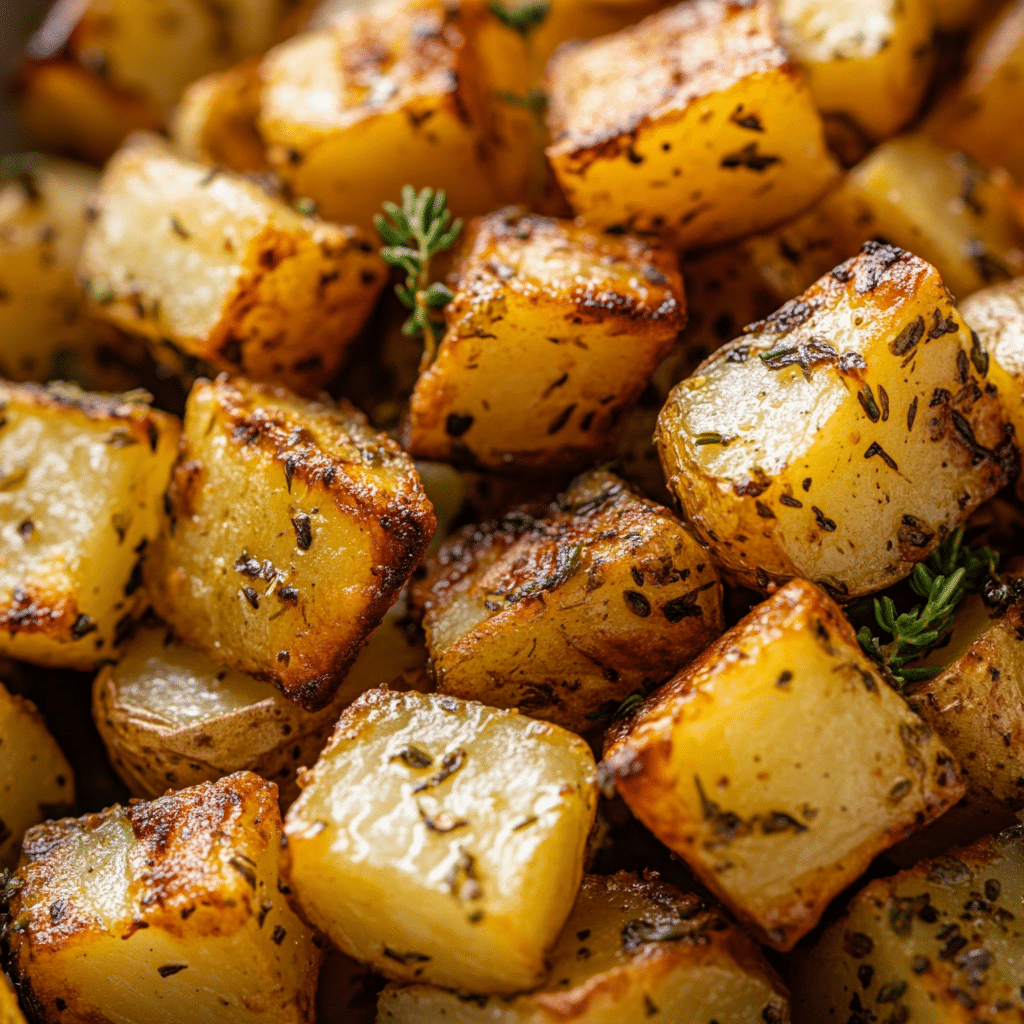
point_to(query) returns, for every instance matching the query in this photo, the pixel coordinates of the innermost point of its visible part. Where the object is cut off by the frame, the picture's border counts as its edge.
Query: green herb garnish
(522, 18)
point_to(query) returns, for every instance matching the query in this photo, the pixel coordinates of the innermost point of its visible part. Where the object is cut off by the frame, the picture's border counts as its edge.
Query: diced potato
(36, 781)
(390, 96)
(209, 263)
(693, 124)
(844, 437)
(631, 950)
(566, 616)
(215, 121)
(413, 851)
(780, 763)
(46, 331)
(940, 942)
(996, 314)
(135, 913)
(554, 330)
(867, 62)
(171, 717)
(272, 498)
(81, 480)
(945, 208)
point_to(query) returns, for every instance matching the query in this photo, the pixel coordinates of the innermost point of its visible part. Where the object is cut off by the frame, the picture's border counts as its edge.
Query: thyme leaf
(520, 17)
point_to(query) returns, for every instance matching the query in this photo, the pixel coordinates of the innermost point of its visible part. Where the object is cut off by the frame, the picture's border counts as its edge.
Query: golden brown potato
(291, 528)
(604, 310)
(780, 763)
(208, 263)
(693, 124)
(443, 841)
(134, 913)
(81, 481)
(10, 1012)
(564, 617)
(938, 943)
(842, 438)
(631, 950)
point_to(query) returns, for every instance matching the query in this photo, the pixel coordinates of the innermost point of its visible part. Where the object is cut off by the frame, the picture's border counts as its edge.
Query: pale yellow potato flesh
(134, 913)
(631, 950)
(412, 852)
(10, 1011)
(779, 763)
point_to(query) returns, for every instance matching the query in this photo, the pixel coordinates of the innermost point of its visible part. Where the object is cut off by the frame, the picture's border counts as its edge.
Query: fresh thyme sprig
(418, 230)
(949, 574)
(522, 18)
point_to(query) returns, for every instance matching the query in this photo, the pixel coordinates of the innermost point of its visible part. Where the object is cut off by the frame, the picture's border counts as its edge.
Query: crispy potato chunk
(207, 262)
(81, 479)
(566, 616)
(534, 370)
(291, 529)
(939, 942)
(134, 913)
(632, 949)
(171, 717)
(780, 763)
(842, 438)
(868, 62)
(46, 332)
(36, 781)
(411, 851)
(693, 124)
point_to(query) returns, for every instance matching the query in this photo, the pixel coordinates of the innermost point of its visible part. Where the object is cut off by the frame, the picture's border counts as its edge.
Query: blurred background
(17, 19)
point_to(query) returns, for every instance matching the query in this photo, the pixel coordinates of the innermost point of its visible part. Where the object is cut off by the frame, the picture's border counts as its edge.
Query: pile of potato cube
(517, 681)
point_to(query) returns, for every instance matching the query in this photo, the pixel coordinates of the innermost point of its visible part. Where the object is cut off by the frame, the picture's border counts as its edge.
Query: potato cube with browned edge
(940, 943)
(137, 912)
(566, 616)
(81, 482)
(694, 124)
(633, 949)
(291, 529)
(844, 437)
(208, 263)
(779, 763)
(442, 841)
(36, 781)
(554, 331)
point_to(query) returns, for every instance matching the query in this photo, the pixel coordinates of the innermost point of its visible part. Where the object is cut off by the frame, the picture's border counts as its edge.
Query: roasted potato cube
(46, 332)
(936, 943)
(566, 616)
(534, 371)
(81, 480)
(868, 63)
(209, 263)
(171, 717)
(272, 497)
(632, 949)
(36, 781)
(694, 124)
(388, 96)
(778, 779)
(134, 913)
(412, 852)
(826, 444)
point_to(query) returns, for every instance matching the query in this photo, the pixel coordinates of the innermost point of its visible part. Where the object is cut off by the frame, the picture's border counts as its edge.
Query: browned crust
(132, 409)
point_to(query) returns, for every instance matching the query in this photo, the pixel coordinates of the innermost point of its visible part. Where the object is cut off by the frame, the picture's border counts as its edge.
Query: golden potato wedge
(779, 763)
(564, 617)
(134, 913)
(82, 479)
(940, 942)
(842, 438)
(208, 263)
(633, 949)
(694, 124)
(36, 781)
(291, 528)
(412, 852)
(171, 717)
(10, 1011)
(604, 310)
(868, 62)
